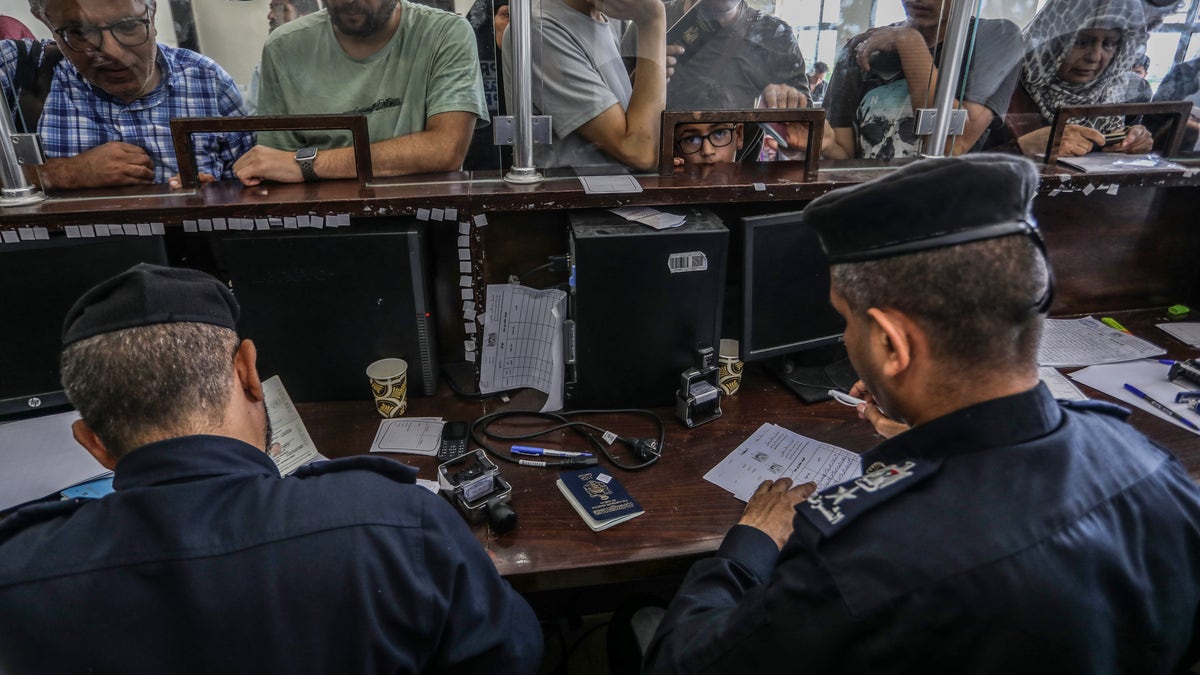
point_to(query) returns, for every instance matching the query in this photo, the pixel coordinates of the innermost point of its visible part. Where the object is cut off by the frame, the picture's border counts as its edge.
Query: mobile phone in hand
(1114, 137)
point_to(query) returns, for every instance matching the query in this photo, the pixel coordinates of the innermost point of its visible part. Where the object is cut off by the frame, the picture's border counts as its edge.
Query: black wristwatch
(305, 158)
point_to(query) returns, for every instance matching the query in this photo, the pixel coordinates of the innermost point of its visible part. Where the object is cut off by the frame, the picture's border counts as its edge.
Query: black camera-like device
(699, 399)
(474, 485)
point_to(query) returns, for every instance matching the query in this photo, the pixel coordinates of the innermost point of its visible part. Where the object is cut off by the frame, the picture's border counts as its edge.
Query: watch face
(305, 154)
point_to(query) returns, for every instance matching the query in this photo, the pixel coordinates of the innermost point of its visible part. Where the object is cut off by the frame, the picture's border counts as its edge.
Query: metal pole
(521, 28)
(16, 189)
(957, 26)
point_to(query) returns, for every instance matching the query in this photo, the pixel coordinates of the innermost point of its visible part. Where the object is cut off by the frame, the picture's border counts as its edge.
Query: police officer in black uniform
(205, 560)
(1004, 532)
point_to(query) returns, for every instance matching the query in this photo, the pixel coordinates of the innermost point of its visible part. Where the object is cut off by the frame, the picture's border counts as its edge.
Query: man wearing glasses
(106, 115)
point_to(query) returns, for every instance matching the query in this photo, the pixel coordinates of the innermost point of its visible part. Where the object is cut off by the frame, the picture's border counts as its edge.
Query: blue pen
(546, 452)
(1159, 406)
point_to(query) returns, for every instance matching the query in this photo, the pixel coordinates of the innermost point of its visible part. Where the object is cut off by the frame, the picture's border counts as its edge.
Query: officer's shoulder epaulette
(1102, 407)
(838, 506)
(401, 473)
(37, 513)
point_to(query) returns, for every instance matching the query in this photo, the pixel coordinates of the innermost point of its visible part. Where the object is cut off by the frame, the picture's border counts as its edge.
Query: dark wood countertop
(686, 517)
(485, 192)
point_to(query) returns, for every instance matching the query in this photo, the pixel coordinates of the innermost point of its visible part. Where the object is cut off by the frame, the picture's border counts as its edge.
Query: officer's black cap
(150, 294)
(926, 205)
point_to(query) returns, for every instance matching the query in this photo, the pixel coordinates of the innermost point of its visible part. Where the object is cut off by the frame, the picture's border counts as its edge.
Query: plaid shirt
(78, 116)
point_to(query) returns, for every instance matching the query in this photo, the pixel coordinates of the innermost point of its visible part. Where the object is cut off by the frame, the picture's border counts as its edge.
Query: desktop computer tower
(642, 300)
(322, 306)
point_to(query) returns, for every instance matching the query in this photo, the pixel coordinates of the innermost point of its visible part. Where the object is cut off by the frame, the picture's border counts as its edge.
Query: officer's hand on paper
(773, 505)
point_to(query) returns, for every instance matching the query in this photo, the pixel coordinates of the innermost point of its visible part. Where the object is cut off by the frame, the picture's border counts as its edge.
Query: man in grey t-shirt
(600, 117)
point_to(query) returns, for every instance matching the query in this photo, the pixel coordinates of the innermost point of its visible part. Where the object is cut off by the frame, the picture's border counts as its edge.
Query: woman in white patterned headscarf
(1077, 53)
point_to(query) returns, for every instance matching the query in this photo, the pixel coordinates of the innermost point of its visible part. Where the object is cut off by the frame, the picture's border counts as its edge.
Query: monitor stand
(810, 374)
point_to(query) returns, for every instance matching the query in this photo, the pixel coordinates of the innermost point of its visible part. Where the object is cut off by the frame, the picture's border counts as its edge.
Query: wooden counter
(686, 517)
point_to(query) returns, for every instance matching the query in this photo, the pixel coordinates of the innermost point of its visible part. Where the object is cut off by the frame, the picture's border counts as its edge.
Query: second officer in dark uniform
(204, 559)
(1004, 532)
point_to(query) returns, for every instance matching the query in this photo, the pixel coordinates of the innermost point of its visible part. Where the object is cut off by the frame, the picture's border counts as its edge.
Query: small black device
(699, 399)
(1185, 373)
(787, 319)
(454, 441)
(474, 485)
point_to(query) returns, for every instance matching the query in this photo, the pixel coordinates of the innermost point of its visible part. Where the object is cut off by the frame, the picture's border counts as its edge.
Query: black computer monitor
(787, 320)
(321, 306)
(40, 280)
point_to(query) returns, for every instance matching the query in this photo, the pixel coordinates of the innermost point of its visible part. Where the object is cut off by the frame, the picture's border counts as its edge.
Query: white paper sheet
(773, 452)
(1060, 387)
(1068, 343)
(1148, 375)
(1184, 331)
(409, 435)
(522, 341)
(659, 220)
(291, 446)
(39, 457)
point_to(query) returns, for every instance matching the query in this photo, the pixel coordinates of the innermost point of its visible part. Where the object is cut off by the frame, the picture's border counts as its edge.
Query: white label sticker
(692, 261)
(609, 437)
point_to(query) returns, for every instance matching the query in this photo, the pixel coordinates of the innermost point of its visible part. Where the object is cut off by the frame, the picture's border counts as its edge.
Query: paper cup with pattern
(389, 384)
(730, 368)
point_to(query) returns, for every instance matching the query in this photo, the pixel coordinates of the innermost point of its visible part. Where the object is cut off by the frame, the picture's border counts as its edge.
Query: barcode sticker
(692, 261)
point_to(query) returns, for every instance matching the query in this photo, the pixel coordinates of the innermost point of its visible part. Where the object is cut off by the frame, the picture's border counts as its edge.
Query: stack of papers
(1069, 343)
(654, 218)
(773, 452)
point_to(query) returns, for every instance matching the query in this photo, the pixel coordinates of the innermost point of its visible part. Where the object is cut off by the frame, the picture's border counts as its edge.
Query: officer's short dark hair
(977, 301)
(820, 67)
(134, 384)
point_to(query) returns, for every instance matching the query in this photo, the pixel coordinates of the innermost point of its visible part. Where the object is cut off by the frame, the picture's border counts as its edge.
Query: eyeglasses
(718, 138)
(127, 32)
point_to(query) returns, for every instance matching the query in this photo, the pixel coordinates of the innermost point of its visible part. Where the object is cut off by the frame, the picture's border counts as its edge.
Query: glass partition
(605, 70)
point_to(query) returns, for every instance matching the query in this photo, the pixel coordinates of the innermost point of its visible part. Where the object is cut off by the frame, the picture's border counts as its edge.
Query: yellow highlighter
(1113, 323)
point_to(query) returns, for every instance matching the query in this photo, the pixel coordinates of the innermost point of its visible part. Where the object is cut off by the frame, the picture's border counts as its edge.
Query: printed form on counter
(1069, 343)
(773, 452)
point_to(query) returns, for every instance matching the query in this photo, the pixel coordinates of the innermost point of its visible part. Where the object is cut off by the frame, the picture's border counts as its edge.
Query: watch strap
(307, 170)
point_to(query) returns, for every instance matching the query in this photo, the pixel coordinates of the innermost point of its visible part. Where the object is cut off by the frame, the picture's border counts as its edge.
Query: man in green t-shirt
(411, 69)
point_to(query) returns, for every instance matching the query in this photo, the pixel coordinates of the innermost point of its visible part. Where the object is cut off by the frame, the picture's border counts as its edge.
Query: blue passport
(598, 497)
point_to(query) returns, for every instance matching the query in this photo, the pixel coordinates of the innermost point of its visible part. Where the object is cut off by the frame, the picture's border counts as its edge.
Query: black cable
(539, 268)
(831, 381)
(649, 450)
